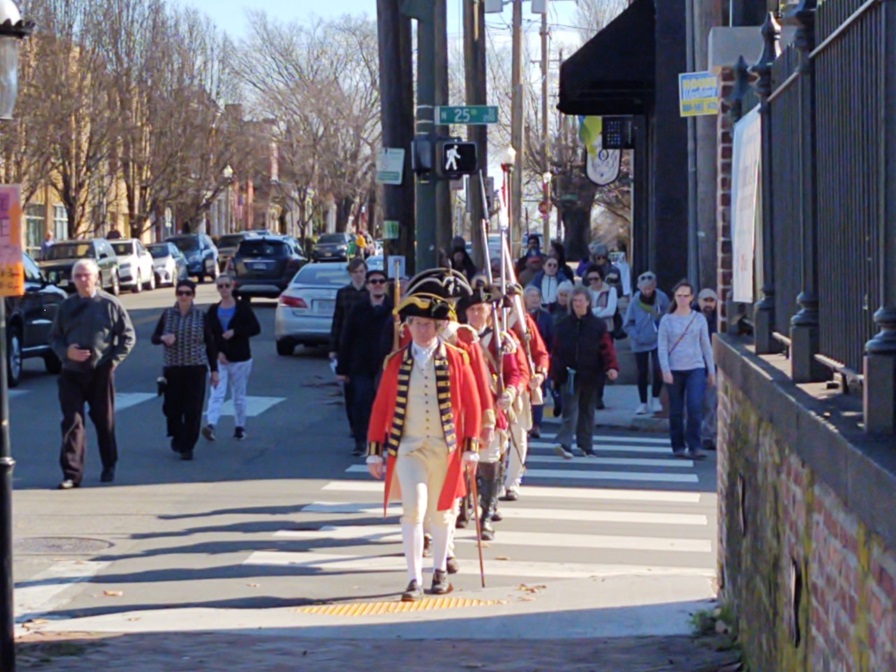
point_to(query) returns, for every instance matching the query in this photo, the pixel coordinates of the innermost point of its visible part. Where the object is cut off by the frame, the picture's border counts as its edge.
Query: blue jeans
(686, 391)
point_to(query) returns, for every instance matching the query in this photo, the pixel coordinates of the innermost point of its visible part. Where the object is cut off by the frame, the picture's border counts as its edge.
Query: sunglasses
(600, 256)
(376, 281)
(594, 279)
(184, 292)
(225, 285)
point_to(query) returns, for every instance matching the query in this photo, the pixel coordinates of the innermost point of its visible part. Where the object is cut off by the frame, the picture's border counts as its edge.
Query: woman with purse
(232, 323)
(189, 353)
(685, 355)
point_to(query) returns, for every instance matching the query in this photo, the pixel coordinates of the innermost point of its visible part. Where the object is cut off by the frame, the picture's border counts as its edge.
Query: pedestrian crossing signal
(455, 159)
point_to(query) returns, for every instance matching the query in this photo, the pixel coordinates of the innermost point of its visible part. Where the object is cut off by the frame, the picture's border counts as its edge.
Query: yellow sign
(12, 282)
(698, 94)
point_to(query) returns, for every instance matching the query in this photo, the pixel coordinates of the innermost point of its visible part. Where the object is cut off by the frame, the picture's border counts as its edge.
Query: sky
(230, 14)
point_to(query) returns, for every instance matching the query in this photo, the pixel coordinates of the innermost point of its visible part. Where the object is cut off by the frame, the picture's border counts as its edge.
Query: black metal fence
(830, 219)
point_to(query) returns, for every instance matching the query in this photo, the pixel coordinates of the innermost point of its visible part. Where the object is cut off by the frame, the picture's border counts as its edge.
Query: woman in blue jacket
(642, 320)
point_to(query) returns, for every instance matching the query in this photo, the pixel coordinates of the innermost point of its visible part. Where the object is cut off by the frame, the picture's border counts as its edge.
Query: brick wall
(724, 151)
(814, 589)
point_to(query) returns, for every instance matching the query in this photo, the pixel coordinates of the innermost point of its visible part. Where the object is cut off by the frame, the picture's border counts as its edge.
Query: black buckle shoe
(440, 583)
(108, 475)
(452, 565)
(412, 593)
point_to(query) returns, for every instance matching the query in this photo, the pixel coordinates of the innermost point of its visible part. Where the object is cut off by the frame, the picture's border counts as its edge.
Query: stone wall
(807, 552)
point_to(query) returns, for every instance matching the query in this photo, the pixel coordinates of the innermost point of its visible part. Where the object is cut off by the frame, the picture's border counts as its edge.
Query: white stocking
(440, 532)
(412, 538)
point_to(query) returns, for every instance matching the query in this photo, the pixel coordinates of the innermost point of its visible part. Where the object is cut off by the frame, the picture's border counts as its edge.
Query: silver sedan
(305, 308)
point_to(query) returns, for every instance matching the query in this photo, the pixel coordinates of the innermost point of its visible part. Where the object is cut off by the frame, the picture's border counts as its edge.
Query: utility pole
(545, 131)
(516, 124)
(477, 94)
(397, 119)
(442, 213)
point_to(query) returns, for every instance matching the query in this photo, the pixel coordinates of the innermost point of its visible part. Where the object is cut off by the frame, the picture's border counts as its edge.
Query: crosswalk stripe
(392, 534)
(549, 492)
(516, 513)
(324, 562)
(644, 477)
(548, 446)
(125, 400)
(615, 461)
(255, 406)
(612, 438)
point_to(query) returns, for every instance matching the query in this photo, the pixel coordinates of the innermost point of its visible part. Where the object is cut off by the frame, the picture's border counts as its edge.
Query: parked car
(28, 321)
(331, 247)
(61, 256)
(134, 264)
(305, 309)
(168, 262)
(200, 253)
(228, 244)
(264, 265)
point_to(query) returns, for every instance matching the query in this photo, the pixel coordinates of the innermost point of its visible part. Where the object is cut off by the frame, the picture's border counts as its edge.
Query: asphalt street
(276, 531)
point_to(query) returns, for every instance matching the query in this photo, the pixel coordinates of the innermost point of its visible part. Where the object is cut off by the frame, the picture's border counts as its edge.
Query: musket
(521, 318)
(491, 280)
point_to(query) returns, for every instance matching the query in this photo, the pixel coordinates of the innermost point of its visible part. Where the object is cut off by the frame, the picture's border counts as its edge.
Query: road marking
(42, 593)
(327, 562)
(392, 534)
(549, 492)
(12, 394)
(125, 400)
(566, 515)
(605, 448)
(669, 462)
(612, 439)
(642, 477)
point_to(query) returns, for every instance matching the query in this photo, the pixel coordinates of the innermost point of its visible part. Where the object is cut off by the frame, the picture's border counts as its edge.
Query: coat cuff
(375, 448)
(471, 444)
(489, 419)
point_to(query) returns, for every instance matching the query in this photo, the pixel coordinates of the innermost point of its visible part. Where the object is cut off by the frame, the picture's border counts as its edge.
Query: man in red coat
(426, 420)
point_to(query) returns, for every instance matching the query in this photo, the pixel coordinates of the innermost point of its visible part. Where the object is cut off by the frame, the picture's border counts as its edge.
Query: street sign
(469, 115)
(698, 94)
(390, 229)
(390, 166)
(396, 263)
(12, 280)
(455, 158)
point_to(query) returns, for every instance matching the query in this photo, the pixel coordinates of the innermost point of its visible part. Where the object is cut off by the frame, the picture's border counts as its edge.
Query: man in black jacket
(361, 353)
(582, 354)
(91, 335)
(346, 298)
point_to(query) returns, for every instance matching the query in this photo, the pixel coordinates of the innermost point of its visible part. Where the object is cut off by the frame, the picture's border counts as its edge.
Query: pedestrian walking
(604, 304)
(685, 356)
(642, 319)
(46, 245)
(548, 281)
(91, 335)
(707, 300)
(423, 434)
(189, 353)
(346, 298)
(232, 324)
(583, 355)
(544, 324)
(361, 354)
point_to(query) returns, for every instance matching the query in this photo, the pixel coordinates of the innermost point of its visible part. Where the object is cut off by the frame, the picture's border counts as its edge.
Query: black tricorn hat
(487, 294)
(425, 305)
(446, 283)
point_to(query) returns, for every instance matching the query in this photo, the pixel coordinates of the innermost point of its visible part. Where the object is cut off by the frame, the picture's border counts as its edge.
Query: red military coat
(459, 407)
(513, 372)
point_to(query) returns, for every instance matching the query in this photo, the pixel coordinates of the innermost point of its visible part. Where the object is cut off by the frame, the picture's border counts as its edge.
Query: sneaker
(563, 451)
(642, 409)
(681, 453)
(655, 405)
(239, 433)
(209, 432)
(187, 455)
(696, 455)
(67, 484)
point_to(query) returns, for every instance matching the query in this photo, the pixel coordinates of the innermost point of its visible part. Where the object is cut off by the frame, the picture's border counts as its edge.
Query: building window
(34, 228)
(60, 222)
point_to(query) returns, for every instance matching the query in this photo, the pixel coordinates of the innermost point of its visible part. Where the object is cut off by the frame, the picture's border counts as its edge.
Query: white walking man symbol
(451, 157)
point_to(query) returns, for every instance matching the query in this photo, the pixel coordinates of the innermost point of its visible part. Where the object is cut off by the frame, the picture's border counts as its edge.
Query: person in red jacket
(424, 432)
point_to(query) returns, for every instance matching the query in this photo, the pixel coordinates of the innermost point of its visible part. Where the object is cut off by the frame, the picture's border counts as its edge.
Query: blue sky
(230, 14)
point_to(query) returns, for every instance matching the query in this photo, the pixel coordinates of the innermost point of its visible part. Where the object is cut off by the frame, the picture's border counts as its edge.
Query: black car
(28, 321)
(61, 257)
(332, 247)
(264, 265)
(201, 254)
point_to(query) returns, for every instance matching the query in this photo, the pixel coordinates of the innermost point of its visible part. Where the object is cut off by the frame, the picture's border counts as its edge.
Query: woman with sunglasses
(189, 353)
(232, 323)
(685, 356)
(548, 280)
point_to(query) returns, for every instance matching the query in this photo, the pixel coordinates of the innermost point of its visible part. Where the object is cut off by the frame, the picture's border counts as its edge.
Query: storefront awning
(615, 71)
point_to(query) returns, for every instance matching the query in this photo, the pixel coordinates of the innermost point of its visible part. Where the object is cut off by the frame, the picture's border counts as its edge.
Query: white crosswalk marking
(556, 531)
(125, 400)
(255, 406)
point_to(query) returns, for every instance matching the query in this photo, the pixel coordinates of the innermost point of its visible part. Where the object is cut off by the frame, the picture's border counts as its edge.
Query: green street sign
(390, 229)
(469, 115)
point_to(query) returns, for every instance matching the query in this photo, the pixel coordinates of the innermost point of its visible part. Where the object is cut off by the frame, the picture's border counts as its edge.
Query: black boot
(488, 497)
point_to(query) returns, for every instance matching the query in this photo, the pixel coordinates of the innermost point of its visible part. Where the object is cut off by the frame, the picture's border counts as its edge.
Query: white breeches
(516, 455)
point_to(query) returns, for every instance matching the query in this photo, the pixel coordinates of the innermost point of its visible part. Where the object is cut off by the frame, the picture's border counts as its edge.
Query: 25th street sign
(469, 115)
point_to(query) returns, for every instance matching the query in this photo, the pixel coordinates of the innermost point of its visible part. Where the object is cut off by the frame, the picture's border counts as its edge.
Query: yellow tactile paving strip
(380, 608)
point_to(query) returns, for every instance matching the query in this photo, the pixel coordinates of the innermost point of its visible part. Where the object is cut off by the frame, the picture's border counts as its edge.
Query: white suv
(134, 264)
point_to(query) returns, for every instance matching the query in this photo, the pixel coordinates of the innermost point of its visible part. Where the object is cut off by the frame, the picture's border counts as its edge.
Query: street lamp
(227, 174)
(508, 161)
(12, 31)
